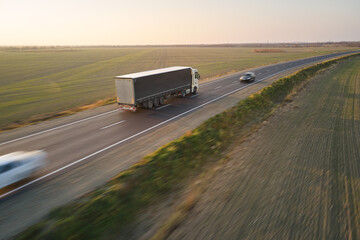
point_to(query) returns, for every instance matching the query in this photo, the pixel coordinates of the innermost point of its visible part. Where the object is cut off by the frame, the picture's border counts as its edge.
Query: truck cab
(195, 80)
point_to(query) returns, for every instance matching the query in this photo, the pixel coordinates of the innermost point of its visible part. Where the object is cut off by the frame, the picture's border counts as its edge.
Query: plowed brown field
(297, 177)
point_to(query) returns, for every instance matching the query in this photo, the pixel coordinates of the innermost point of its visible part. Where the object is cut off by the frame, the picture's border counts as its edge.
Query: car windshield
(6, 167)
(248, 74)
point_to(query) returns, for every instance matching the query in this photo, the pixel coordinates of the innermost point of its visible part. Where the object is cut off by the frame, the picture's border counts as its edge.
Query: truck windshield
(197, 75)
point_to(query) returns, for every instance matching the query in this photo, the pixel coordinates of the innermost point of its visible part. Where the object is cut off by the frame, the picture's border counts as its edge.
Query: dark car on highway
(248, 77)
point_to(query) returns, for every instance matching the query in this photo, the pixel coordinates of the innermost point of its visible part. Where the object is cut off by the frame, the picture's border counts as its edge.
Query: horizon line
(180, 45)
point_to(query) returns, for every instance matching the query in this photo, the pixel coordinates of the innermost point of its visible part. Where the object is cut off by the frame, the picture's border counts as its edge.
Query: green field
(46, 81)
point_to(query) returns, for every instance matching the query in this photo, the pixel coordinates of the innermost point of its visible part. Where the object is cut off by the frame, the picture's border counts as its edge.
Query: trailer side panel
(149, 86)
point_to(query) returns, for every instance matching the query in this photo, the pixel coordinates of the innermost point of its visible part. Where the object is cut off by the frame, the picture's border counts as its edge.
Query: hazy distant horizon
(161, 22)
(173, 45)
(357, 43)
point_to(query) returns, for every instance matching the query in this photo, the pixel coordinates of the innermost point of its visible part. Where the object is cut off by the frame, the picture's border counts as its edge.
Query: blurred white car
(19, 165)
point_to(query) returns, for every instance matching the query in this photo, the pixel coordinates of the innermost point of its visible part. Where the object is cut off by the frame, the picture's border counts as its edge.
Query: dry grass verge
(192, 196)
(45, 117)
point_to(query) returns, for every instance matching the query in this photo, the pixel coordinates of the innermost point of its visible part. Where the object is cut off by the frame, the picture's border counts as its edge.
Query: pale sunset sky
(142, 22)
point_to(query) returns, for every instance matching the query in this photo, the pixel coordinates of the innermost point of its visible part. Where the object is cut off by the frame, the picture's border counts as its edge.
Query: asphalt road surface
(82, 144)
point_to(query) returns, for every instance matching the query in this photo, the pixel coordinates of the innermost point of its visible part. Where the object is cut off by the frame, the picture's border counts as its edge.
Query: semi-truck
(149, 89)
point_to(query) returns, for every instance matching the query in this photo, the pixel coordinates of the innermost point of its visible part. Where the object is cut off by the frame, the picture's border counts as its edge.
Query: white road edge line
(112, 124)
(162, 107)
(218, 87)
(135, 135)
(55, 128)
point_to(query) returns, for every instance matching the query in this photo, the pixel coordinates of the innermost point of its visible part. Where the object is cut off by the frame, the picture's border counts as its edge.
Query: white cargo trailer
(150, 88)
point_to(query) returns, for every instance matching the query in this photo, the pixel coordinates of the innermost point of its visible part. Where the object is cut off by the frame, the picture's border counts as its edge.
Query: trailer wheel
(145, 105)
(183, 93)
(162, 100)
(156, 102)
(150, 104)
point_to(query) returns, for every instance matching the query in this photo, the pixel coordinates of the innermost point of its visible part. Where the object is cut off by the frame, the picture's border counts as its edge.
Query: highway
(89, 147)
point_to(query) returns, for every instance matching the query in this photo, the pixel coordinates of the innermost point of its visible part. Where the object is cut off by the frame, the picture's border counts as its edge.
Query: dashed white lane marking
(218, 87)
(55, 128)
(162, 107)
(196, 95)
(235, 82)
(113, 124)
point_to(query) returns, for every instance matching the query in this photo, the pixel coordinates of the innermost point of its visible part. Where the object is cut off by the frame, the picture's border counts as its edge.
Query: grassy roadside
(40, 84)
(113, 206)
(48, 116)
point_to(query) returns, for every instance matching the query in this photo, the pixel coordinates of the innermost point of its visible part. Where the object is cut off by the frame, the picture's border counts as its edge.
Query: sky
(152, 22)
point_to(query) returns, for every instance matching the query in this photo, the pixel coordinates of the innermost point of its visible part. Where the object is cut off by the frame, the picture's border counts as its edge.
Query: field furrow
(297, 177)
